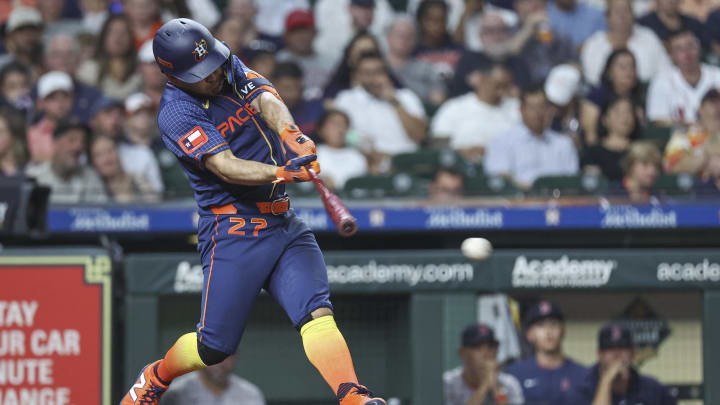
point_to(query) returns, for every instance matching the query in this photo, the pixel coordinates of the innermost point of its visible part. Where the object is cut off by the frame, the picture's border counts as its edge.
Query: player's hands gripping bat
(345, 223)
(298, 169)
(297, 142)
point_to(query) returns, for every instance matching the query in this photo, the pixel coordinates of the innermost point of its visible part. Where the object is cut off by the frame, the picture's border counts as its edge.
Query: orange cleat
(353, 394)
(147, 389)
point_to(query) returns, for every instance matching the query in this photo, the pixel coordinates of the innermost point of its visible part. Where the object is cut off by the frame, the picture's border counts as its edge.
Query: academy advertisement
(441, 270)
(53, 335)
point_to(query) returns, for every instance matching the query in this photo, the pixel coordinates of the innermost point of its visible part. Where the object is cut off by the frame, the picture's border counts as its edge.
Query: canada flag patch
(193, 140)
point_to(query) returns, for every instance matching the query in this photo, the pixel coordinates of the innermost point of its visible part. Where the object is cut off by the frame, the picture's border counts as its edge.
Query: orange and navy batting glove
(296, 170)
(296, 141)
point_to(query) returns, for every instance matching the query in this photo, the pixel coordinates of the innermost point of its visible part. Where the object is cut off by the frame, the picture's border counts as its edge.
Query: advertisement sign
(55, 320)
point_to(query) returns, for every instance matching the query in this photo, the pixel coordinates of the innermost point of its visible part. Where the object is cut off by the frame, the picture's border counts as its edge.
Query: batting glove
(296, 170)
(296, 141)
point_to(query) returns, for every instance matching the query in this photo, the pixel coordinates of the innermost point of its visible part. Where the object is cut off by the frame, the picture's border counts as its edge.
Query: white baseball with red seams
(476, 248)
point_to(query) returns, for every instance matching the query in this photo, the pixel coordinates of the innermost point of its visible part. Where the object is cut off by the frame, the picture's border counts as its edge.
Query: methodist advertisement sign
(55, 320)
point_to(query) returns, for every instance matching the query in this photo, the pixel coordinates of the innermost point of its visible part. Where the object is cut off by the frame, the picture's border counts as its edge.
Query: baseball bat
(345, 223)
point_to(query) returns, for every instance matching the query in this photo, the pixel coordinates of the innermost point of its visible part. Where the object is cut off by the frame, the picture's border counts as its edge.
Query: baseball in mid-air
(476, 248)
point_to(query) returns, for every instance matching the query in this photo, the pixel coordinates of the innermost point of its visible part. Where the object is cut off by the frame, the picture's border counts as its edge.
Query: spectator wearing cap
(55, 101)
(548, 376)
(299, 35)
(62, 53)
(562, 88)
(341, 160)
(288, 80)
(614, 380)
(136, 159)
(113, 67)
(391, 120)
(479, 380)
(689, 147)
(418, 76)
(153, 80)
(531, 149)
(674, 95)
(253, 40)
(23, 32)
(622, 32)
(493, 112)
(70, 180)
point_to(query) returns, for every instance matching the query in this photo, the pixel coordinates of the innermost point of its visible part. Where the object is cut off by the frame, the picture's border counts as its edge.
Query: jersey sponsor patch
(193, 140)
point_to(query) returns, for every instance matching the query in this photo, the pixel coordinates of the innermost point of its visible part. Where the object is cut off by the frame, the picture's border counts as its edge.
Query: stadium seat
(675, 184)
(557, 186)
(426, 161)
(489, 186)
(658, 135)
(397, 185)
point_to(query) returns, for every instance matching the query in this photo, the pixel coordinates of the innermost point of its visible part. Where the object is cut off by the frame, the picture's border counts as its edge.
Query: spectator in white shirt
(389, 120)
(472, 120)
(674, 95)
(622, 32)
(531, 150)
(339, 161)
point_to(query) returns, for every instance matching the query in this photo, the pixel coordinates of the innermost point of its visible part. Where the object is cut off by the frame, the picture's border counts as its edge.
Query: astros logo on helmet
(201, 50)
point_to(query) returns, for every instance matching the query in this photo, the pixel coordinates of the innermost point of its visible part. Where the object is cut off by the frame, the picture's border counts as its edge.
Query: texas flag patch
(193, 140)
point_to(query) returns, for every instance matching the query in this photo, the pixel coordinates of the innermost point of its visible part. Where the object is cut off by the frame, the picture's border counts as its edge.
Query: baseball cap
(145, 53)
(363, 3)
(54, 81)
(562, 84)
(68, 124)
(615, 335)
(137, 101)
(477, 334)
(105, 103)
(540, 311)
(299, 19)
(23, 17)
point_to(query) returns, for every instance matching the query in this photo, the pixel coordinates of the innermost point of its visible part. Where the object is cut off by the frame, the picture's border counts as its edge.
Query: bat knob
(348, 227)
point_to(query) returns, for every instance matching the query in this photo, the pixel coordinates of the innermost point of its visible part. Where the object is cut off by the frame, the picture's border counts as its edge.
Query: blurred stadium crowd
(430, 98)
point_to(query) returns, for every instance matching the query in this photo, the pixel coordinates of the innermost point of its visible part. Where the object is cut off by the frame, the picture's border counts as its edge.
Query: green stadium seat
(426, 161)
(480, 184)
(569, 185)
(658, 135)
(675, 184)
(382, 186)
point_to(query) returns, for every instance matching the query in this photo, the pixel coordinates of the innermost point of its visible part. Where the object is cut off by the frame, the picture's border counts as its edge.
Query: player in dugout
(238, 144)
(548, 376)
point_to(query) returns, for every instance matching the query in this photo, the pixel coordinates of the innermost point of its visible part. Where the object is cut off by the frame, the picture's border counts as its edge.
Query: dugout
(402, 313)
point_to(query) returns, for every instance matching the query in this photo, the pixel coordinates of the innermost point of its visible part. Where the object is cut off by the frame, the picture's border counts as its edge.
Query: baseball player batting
(238, 145)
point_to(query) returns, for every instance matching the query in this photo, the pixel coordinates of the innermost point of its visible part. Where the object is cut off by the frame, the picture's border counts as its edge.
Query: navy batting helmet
(187, 51)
